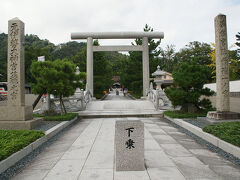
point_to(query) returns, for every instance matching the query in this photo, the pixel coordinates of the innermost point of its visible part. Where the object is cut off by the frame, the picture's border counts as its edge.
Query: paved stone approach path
(86, 152)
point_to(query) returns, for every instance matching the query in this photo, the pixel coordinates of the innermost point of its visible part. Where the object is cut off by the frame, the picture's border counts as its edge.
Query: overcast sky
(181, 21)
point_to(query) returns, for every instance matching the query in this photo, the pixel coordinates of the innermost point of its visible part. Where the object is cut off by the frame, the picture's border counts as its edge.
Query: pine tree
(132, 73)
(189, 78)
(55, 77)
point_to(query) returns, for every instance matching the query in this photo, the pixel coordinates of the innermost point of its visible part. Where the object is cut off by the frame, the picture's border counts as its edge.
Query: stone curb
(225, 146)
(14, 158)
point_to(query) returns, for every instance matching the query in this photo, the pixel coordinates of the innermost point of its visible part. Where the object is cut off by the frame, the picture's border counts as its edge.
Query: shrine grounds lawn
(12, 141)
(227, 131)
(181, 114)
(64, 117)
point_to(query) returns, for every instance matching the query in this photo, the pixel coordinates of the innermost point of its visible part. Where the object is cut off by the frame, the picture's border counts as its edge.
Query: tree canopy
(55, 77)
(234, 64)
(108, 64)
(189, 78)
(131, 76)
(238, 40)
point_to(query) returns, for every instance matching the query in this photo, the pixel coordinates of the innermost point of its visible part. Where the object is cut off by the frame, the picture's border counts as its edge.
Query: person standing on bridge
(125, 91)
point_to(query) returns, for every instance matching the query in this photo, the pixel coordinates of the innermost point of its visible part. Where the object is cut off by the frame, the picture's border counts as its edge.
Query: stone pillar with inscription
(129, 145)
(15, 114)
(222, 66)
(222, 72)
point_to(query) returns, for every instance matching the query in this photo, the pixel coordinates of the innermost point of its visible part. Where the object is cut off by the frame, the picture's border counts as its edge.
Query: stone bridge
(120, 106)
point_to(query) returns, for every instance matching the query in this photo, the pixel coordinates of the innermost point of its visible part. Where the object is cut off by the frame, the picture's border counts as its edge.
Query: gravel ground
(23, 162)
(46, 125)
(210, 146)
(198, 122)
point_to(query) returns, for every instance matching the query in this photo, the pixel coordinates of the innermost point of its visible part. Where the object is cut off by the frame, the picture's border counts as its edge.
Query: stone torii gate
(118, 35)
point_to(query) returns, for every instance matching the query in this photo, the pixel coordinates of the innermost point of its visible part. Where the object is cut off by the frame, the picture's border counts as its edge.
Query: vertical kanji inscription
(13, 62)
(16, 79)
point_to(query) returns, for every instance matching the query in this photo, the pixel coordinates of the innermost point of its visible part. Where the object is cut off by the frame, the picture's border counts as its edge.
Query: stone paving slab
(163, 173)
(169, 155)
(131, 175)
(96, 174)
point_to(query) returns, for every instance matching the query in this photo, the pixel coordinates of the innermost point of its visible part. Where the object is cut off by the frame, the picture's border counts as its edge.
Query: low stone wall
(234, 102)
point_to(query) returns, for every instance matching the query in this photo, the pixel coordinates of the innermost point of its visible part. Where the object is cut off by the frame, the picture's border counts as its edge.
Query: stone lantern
(162, 99)
(78, 92)
(158, 77)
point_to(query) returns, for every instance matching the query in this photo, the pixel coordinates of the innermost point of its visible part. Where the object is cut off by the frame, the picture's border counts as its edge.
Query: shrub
(12, 141)
(182, 114)
(189, 79)
(227, 131)
(64, 117)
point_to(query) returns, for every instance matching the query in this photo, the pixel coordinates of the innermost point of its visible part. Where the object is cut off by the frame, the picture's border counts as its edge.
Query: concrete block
(210, 138)
(129, 144)
(53, 131)
(178, 121)
(131, 175)
(234, 150)
(39, 142)
(29, 124)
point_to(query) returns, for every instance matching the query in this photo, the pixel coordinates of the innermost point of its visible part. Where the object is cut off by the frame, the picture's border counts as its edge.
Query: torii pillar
(90, 64)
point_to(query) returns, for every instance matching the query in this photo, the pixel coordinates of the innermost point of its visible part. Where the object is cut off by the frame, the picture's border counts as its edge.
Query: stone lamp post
(161, 96)
(78, 92)
(158, 77)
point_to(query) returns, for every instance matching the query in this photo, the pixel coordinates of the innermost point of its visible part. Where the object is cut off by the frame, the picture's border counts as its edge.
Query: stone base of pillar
(227, 115)
(17, 117)
(29, 124)
(16, 113)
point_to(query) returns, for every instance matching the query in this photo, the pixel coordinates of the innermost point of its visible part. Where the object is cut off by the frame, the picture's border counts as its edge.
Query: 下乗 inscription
(129, 143)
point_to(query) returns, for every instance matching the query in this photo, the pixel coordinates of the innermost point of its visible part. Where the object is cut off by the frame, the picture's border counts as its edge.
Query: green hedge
(38, 115)
(181, 114)
(227, 131)
(12, 141)
(64, 117)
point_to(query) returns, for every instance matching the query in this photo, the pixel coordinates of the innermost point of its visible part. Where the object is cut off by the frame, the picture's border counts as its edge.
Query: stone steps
(119, 114)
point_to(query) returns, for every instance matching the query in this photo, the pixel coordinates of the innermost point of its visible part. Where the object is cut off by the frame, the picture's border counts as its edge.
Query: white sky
(182, 21)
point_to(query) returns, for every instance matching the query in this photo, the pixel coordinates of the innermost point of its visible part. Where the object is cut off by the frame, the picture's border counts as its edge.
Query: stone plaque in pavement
(129, 145)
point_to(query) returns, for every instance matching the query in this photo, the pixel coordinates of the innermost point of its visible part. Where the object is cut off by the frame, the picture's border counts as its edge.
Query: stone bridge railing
(159, 99)
(77, 102)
